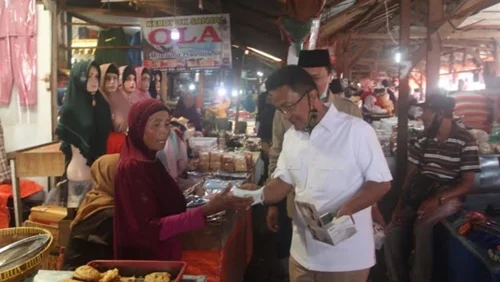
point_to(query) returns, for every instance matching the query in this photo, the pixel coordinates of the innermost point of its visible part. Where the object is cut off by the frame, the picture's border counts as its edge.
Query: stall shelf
(44, 160)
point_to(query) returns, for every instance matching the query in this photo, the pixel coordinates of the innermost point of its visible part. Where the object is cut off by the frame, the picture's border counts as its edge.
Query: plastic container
(129, 268)
(202, 144)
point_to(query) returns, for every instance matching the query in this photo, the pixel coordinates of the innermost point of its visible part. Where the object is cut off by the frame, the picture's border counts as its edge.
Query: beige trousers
(300, 274)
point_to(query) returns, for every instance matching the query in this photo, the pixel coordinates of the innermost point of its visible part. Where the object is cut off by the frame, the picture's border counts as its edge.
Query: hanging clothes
(85, 121)
(118, 104)
(125, 72)
(141, 93)
(112, 37)
(18, 51)
(155, 78)
(119, 107)
(135, 55)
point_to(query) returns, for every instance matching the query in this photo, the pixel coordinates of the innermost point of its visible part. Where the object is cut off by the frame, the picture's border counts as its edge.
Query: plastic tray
(129, 268)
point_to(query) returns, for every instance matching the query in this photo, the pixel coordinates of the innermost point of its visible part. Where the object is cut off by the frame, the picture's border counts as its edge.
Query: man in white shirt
(334, 162)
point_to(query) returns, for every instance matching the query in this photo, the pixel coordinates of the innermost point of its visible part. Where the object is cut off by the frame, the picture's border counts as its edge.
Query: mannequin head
(145, 79)
(111, 80)
(129, 79)
(129, 84)
(93, 79)
(158, 82)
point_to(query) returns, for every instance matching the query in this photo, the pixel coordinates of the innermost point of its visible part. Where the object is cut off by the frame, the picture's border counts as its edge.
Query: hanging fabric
(135, 55)
(18, 51)
(112, 37)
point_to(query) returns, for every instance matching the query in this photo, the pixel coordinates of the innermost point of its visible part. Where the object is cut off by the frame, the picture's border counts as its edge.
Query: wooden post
(237, 69)
(404, 90)
(497, 57)
(164, 86)
(433, 62)
(54, 64)
(201, 90)
(345, 59)
(237, 85)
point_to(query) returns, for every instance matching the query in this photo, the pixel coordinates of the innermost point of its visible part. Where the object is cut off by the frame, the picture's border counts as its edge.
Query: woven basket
(27, 268)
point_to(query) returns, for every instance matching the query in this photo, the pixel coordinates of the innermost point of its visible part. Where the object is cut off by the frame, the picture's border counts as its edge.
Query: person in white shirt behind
(334, 162)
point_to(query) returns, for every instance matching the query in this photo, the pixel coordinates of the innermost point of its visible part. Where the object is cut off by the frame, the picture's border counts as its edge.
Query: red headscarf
(144, 193)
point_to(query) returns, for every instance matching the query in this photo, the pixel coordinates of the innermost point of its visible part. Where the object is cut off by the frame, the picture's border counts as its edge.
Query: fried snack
(127, 279)
(110, 276)
(87, 273)
(69, 280)
(158, 277)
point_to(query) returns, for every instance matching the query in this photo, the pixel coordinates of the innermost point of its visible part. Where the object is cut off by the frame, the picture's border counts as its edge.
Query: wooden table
(44, 160)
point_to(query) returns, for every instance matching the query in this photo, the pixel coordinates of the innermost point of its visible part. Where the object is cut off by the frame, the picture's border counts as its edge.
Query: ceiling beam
(104, 12)
(446, 28)
(385, 36)
(486, 35)
(362, 48)
(331, 25)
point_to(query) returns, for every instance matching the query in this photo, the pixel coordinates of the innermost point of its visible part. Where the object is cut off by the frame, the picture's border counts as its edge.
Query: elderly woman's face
(157, 131)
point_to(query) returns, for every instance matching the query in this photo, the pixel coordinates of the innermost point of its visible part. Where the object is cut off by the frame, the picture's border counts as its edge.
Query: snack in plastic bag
(240, 163)
(204, 164)
(249, 160)
(228, 162)
(215, 160)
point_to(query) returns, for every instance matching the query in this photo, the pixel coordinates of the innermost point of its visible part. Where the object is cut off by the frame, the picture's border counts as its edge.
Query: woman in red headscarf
(150, 209)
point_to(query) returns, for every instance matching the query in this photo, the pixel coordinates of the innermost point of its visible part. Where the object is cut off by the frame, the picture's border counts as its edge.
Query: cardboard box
(54, 219)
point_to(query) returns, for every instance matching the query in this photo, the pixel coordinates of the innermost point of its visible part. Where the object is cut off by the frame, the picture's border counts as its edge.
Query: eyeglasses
(288, 109)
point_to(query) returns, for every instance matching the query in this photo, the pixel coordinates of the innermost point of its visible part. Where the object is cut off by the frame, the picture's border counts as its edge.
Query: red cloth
(115, 142)
(27, 188)
(229, 264)
(150, 209)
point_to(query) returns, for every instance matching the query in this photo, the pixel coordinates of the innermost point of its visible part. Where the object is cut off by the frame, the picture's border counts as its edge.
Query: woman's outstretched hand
(225, 201)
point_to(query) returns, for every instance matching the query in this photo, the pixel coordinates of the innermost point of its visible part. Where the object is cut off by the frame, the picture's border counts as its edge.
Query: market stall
(227, 243)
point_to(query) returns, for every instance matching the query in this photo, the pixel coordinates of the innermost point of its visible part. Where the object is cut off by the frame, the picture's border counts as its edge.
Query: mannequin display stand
(79, 182)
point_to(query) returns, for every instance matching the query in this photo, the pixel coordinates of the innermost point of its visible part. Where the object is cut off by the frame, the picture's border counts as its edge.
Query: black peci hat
(314, 58)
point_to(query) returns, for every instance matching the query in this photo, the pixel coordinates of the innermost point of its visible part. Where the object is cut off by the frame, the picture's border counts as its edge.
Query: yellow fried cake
(158, 277)
(87, 273)
(110, 276)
